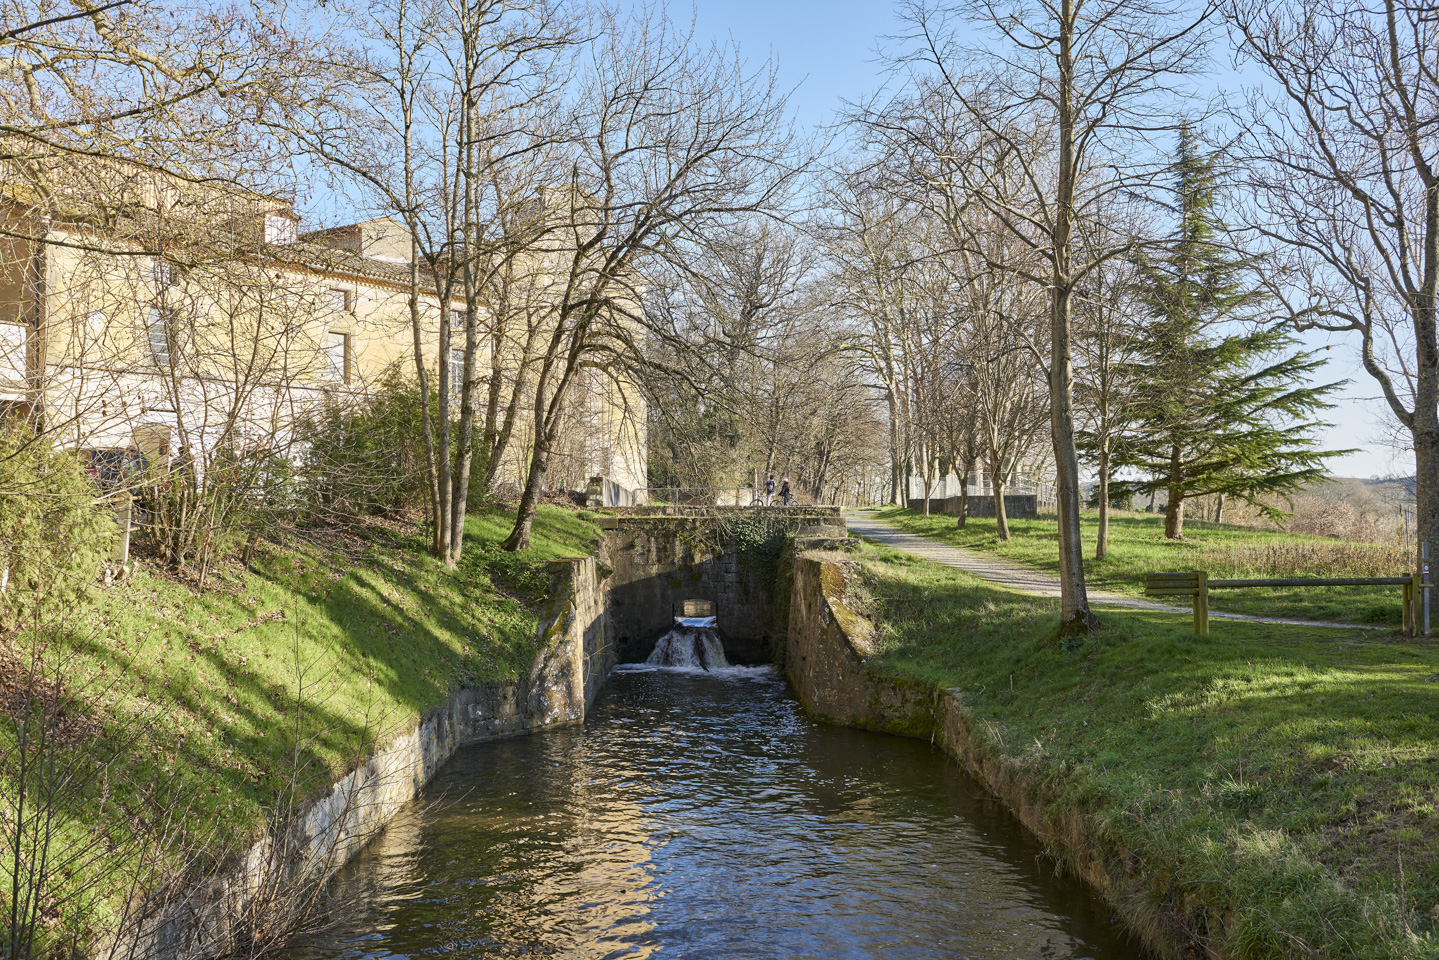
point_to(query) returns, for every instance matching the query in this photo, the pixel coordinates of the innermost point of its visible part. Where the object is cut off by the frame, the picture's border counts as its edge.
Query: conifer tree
(1227, 404)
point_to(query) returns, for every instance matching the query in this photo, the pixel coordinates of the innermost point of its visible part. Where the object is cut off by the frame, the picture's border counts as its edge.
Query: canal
(700, 815)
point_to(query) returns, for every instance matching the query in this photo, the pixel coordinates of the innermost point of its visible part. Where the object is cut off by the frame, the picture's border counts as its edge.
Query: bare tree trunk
(442, 451)
(519, 538)
(996, 489)
(963, 500)
(1075, 615)
(465, 448)
(927, 476)
(1174, 509)
(1101, 547)
(894, 454)
(427, 426)
(1426, 465)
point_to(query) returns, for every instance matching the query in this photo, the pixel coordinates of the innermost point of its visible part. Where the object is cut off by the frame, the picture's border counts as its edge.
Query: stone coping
(676, 510)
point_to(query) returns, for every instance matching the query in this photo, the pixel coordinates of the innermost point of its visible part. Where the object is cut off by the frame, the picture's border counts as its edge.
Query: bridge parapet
(678, 510)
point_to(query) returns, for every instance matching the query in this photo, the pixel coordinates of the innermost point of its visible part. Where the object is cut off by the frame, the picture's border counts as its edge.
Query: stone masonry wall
(825, 656)
(574, 658)
(658, 562)
(826, 653)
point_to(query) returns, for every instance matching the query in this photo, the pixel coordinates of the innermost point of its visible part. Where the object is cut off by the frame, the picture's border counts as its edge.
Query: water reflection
(700, 816)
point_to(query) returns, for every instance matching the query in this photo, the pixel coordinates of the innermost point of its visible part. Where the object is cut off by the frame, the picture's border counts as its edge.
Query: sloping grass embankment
(209, 708)
(1276, 785)
(1137, 545)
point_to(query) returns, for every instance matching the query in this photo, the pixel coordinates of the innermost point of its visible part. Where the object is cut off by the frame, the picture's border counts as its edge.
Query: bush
(369, 459)
(55, 536)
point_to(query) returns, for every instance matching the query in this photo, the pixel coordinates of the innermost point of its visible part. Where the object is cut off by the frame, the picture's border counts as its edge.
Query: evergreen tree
(1227, 404)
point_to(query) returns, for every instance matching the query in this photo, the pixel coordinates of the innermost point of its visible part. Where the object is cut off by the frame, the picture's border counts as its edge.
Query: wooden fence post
(1201, 604)
(1411, 590)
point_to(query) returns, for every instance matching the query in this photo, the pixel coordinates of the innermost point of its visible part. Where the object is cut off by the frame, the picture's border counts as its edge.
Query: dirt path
(1027, 580)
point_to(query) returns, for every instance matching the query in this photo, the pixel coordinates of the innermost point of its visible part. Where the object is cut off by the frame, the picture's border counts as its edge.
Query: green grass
(1137, 545)
(1286, 775)
(294, 669)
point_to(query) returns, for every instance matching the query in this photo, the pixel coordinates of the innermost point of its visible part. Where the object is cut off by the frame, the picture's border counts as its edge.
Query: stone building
(241, 325)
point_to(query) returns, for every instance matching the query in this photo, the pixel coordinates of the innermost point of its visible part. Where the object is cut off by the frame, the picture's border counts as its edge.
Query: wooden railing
(1196, 584)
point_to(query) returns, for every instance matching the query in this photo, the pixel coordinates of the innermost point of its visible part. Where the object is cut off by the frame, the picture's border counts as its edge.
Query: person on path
(784, 494)
(769, 490)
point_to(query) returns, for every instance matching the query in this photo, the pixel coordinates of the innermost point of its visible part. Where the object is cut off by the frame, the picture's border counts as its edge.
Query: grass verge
(1137, 545)
(1275, 785)
(276, 678)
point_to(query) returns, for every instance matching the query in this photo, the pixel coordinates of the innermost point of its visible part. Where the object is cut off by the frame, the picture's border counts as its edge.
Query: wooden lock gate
(1196, 584)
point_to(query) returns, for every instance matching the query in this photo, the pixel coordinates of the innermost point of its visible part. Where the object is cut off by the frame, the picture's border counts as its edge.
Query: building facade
(238, 327)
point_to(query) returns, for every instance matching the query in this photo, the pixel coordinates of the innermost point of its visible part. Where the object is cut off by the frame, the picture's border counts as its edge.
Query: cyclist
(769, 490)
(784, 493)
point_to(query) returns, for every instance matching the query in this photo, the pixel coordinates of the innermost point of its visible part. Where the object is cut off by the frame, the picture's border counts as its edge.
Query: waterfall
(690, 647)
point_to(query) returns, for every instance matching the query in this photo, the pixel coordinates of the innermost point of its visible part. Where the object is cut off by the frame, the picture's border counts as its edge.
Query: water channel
(699, 815)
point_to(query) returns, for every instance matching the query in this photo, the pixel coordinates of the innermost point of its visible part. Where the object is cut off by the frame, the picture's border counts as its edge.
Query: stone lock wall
(827, 649)
(659, 560)
(825, 656)
(575, 656)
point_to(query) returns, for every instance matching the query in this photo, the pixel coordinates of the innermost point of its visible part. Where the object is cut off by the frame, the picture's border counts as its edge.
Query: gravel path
(1028, 580)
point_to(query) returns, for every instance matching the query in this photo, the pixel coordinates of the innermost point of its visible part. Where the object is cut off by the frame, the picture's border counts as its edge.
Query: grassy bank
(257, 690)
(1137, 546)
(1283, 776)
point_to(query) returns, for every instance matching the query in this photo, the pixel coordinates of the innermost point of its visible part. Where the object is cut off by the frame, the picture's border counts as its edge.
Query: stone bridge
(660, 556)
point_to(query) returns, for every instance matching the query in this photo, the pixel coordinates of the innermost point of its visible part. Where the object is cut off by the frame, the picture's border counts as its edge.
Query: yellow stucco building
(242, 326)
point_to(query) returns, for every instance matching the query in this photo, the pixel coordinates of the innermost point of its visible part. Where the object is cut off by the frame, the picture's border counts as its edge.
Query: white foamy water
(689, 648)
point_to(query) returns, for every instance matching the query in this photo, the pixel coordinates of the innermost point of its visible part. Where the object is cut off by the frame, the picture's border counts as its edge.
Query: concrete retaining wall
(1017, 506)
(574, 658)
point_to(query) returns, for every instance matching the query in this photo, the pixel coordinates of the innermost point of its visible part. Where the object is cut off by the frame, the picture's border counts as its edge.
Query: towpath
(1037, 582)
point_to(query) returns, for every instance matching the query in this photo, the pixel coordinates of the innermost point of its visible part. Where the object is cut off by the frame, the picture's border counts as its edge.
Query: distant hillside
(1385, 487)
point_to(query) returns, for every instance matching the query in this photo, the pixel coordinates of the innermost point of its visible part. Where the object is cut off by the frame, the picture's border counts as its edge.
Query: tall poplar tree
(1227, 405)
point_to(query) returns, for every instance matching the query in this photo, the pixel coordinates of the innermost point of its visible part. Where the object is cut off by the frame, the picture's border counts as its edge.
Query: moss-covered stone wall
(825, 654)
(729, 557)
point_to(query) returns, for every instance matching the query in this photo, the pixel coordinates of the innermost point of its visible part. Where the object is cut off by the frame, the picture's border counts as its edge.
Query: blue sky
(828, 50)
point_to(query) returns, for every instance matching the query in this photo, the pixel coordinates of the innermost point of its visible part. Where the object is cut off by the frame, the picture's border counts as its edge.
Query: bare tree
(1107, 324)
(443, 115)
(1064, 98)
(115, 115)
(1345, 168)
(670, 143)
(1002, 316)
(876, 244)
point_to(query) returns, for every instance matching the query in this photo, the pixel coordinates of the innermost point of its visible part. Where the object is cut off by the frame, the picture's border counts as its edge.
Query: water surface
(704, 816)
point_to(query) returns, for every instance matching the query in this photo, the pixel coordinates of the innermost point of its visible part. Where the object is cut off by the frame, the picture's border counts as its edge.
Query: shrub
(367, 459)
(55, 536)
(1341, 558)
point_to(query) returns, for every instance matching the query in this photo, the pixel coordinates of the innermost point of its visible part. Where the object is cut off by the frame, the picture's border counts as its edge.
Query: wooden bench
(1196, 584)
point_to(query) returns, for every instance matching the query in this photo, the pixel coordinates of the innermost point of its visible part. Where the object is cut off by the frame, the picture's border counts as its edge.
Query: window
(337, 351)
(159, 337)
(279, 229)
(12, 351)
(457, 371)
(341, 301)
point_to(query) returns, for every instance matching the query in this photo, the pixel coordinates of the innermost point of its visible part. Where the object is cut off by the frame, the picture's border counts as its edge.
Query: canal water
(699, 815)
